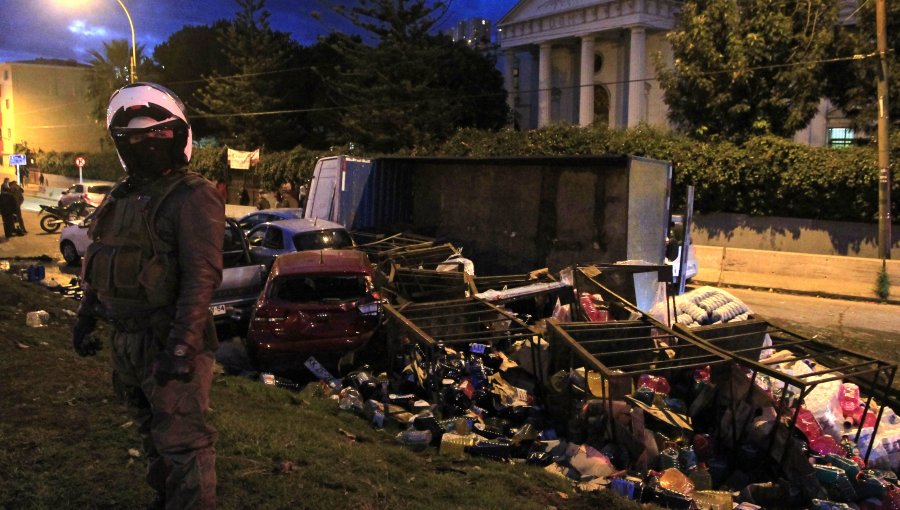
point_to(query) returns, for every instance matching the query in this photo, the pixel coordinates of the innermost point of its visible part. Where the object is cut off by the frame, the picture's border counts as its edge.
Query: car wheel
(69, 253)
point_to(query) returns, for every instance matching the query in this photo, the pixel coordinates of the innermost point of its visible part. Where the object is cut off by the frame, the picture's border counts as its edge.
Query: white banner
(241, 160)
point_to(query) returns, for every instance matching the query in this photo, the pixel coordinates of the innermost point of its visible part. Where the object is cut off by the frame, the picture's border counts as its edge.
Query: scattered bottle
(674, 480)
(687, 459)
(658, 384)
(668, 458)
(824, 445)
(415, 439)
(848, 398)
(808, 425)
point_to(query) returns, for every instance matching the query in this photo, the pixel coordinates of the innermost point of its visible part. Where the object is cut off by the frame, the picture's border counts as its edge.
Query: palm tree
(109, 71)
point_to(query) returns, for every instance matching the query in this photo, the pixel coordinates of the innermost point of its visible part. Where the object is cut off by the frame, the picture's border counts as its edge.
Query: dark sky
(67, 29)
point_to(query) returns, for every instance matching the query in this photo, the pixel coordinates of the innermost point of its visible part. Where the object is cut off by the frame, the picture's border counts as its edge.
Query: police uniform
(155, 260)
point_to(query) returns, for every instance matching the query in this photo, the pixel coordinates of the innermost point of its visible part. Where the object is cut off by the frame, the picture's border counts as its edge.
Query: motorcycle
(53, 217)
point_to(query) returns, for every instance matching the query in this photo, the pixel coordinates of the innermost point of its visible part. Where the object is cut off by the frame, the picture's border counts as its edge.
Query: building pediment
(533, 9)
(535, 21)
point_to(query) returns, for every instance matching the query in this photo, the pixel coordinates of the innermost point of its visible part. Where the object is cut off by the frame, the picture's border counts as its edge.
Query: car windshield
(335, 238)
(319, 288)
(101, 189)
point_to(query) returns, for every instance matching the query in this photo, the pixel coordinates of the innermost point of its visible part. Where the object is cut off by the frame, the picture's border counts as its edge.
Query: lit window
(840, 137)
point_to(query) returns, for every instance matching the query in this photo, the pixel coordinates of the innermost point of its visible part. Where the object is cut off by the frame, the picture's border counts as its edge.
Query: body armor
(130, 267)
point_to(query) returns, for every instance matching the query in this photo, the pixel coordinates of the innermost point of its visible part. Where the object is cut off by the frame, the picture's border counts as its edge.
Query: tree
(189, 55)
(253, 104)
(109, 71)
(745, 67)
(851, 84)
(410, 88)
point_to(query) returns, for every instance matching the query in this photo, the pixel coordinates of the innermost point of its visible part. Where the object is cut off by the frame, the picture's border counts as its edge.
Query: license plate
(217, 310)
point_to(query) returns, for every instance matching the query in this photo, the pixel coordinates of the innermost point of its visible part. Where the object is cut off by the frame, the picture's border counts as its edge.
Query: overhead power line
(521, 91)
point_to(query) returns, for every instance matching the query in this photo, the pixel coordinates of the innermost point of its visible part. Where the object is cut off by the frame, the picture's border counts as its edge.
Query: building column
(637, 66)
(586, 97)
(544, 85)
(509, 84)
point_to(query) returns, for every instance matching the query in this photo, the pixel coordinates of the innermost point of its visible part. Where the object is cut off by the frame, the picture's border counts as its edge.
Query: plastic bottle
(668, 458)
(674, 480)
(687, 459)
(807, 424)
(824, 445)
(455, 444)
(848, 398)
(701, 478)
(849, 446)
(658, 384)
(499, 450)
(415, 439)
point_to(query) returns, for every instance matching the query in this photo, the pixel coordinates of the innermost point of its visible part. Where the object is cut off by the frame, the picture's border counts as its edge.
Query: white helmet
(137, 113)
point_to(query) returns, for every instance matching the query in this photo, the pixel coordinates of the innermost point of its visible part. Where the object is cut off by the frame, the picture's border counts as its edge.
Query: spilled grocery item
(696, 403)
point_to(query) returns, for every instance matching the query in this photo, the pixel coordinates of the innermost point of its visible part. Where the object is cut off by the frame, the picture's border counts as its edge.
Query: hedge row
(765, 176)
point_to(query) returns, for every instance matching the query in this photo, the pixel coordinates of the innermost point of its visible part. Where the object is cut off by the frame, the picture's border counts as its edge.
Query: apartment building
(42, 103)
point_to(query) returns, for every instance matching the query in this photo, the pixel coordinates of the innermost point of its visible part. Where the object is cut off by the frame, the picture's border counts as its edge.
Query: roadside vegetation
(67, 442)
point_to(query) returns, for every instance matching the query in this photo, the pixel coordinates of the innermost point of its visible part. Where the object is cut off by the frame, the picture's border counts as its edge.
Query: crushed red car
(319, 303)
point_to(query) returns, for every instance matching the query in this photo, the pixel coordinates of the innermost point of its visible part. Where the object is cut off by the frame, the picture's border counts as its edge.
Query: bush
(101, 166)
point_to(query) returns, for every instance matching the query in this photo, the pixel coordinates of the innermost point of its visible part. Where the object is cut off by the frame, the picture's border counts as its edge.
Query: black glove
(83, 340)
(176, 363)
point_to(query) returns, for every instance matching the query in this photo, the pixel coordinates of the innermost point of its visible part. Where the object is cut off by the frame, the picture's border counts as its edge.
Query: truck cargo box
(509, 214)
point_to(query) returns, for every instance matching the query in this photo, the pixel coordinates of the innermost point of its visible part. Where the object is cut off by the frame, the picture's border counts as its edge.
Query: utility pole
(884, 169)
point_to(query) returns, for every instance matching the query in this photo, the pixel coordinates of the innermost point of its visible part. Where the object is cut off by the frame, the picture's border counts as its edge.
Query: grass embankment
(66, 442)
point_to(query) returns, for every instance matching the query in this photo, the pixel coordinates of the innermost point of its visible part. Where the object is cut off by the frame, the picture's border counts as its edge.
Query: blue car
(269, 240)
(248, 221)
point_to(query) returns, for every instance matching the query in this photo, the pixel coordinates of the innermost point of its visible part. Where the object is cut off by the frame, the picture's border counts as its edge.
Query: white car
(91, 192)
(74, 241)
(242, 280)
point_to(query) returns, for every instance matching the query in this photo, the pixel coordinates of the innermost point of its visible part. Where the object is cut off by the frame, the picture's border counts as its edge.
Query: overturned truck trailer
(509, 214)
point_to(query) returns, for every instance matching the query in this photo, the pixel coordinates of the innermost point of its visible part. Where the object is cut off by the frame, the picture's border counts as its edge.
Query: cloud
(79, 27)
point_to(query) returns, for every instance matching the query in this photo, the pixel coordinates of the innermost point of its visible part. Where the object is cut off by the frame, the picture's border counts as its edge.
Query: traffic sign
(17, 159)
(80, 161)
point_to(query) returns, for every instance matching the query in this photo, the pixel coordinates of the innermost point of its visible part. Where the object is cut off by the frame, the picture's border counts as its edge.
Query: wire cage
(624, 288)
(425, 285)
(616, 353)
(762, 350)
(379, 246)
(418, 332)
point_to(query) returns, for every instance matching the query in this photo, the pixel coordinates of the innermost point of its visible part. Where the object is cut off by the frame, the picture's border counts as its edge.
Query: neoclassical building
(594, 61)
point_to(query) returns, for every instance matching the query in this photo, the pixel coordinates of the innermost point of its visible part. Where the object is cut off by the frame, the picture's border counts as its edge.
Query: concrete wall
(798, 272)
(791, 235)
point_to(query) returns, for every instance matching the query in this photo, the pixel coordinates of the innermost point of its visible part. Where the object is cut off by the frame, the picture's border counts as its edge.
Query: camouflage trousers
(171, 419)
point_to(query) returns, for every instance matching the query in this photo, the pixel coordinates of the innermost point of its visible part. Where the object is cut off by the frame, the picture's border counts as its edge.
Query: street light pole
(884, 167)
(133, 44)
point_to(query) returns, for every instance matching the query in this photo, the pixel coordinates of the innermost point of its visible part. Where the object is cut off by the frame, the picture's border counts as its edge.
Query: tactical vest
(130, 267)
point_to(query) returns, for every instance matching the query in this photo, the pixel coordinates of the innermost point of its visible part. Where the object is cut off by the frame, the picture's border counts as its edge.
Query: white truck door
(323, 190)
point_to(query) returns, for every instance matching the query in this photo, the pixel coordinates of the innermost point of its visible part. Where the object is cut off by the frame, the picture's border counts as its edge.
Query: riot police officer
(155, 259)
